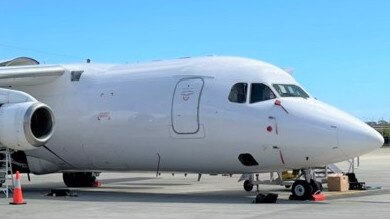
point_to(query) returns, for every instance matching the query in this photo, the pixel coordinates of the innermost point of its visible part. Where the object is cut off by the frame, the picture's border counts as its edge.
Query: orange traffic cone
(318, 196)
(18, 196)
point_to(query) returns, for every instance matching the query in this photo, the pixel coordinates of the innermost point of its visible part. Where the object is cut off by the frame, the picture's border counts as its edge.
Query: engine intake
(26, 125)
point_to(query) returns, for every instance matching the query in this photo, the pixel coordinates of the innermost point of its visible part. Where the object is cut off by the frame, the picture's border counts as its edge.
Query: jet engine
(25, 125)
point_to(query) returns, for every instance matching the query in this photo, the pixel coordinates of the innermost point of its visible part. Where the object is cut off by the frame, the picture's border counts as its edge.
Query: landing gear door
(185, 105)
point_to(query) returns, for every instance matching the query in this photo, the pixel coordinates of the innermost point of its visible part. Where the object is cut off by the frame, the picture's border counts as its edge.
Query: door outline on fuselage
(198, 105)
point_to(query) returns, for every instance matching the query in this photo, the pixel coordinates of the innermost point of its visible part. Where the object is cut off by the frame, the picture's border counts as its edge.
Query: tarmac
(142, 195)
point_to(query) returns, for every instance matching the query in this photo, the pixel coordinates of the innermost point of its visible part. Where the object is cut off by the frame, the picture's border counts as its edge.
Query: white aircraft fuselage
(177, 116)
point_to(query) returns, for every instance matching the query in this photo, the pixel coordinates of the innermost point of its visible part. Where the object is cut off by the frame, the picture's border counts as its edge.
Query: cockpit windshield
(290, 90)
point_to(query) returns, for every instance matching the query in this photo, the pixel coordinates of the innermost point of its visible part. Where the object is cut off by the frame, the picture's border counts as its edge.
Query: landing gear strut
(304, 189)
(79, 179)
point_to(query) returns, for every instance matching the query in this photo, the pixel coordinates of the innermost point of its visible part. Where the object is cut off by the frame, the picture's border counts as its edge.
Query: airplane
(211, 115)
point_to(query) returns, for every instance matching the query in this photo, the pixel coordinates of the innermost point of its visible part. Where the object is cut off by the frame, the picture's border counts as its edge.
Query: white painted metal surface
(185, 106)
(121, 118)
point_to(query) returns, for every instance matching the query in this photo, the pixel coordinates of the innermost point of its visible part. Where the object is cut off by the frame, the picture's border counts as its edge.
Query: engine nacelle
(26, 125)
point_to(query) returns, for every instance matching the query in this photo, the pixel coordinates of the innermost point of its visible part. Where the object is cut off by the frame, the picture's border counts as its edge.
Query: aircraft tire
(79, 179)
(301, 190)
(248, 186)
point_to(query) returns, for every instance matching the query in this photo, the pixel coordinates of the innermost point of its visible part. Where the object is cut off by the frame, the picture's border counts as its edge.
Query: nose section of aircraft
(348, 136)
(357, 138)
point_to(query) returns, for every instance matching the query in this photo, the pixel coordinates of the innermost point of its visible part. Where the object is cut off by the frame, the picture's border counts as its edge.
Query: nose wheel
(304, 189)
(301, 190)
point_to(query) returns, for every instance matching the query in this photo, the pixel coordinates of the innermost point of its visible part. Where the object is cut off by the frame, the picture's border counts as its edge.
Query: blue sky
(339, 50)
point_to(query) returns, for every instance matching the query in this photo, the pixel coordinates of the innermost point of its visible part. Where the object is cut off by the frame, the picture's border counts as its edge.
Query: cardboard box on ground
(338, 183)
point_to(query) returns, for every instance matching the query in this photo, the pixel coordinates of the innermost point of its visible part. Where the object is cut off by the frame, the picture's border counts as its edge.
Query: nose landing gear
(301, 190)
(303, 183)
(304, 189)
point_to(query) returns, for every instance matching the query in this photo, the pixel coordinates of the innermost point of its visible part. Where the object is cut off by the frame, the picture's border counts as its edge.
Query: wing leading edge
(29, 75)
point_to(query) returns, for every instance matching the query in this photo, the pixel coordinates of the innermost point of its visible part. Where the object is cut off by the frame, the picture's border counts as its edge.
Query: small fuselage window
(261, 92)
(238, 93)
(290, 90)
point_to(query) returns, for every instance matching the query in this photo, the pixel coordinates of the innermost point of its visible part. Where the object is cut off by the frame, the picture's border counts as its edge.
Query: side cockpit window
(261, 92)
(238, 93)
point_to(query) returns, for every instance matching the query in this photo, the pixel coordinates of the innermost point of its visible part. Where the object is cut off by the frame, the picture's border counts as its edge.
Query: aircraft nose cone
(357, 138)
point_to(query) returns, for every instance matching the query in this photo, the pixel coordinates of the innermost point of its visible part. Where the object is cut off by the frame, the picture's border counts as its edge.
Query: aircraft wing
(29, 75)
(24, 72)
